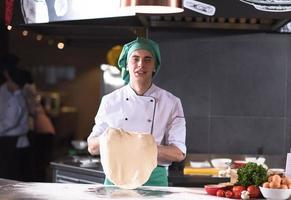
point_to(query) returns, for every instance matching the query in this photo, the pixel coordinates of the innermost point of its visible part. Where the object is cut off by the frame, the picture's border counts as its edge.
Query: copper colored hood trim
(168, 4)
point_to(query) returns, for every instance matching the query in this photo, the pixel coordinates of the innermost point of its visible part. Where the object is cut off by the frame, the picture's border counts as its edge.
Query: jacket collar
(149, 92)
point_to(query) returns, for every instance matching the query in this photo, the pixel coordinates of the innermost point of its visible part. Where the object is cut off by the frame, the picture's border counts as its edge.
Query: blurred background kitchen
(231, 69)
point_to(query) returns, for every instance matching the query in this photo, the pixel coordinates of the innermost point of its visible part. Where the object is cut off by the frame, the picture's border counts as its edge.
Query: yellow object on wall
(113, 55)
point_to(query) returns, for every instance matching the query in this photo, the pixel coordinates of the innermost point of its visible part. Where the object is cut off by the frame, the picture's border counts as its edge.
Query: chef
(141, 106)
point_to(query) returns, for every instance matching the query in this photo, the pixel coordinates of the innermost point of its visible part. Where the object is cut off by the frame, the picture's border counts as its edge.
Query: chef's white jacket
(157, 112)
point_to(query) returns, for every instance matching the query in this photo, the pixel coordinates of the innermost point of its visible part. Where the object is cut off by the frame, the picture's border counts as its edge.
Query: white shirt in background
(13, 116)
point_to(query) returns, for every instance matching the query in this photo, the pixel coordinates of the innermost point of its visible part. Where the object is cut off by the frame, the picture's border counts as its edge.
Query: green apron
(159, 177)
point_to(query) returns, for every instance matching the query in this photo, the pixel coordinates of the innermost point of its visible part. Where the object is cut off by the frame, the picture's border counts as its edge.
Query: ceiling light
(61, 45)
(153, 6)
(25, 33)
(38, 37)
(9, 27)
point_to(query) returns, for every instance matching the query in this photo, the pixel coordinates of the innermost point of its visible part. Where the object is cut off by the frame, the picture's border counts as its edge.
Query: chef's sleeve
(100, 123)
(177, 127)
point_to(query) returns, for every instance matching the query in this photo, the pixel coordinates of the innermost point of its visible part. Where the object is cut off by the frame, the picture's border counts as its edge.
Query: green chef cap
(139, 43)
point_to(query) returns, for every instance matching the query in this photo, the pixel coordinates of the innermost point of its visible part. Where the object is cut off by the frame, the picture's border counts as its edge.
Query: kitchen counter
(87, 169)
(79, 170)
(14, 190)
(272, 161)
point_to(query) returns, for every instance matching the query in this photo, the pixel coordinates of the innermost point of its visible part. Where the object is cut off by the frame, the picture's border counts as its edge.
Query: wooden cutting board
(200, 171)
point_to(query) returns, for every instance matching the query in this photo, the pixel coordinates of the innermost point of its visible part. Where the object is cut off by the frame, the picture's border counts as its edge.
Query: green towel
(159, 177)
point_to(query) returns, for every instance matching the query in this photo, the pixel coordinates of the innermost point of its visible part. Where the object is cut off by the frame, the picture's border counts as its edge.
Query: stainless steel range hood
(229, 15)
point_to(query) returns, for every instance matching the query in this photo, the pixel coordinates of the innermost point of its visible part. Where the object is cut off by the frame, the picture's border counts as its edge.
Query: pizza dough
(128, 158)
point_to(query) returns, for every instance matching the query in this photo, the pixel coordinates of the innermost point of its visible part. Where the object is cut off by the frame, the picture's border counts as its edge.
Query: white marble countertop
(61, 191)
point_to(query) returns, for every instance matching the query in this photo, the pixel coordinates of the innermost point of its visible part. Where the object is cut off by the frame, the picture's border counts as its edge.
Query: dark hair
(19, 76)
(9, 63)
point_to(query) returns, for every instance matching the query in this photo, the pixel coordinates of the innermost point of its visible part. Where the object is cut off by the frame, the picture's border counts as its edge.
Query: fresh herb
(252, 174)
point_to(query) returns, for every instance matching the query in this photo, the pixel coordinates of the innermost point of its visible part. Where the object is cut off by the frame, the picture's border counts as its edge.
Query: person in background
(41, 132)
(141, 103)
(14, 143)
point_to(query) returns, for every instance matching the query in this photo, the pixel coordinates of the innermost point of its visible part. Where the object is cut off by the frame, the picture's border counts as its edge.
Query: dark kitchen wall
(235, 89)
(3, 33)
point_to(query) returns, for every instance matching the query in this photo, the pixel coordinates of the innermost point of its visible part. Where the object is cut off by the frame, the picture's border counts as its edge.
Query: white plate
(196, 164)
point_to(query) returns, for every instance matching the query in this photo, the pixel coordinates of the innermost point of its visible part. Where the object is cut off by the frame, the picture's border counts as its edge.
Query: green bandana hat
(139, 43)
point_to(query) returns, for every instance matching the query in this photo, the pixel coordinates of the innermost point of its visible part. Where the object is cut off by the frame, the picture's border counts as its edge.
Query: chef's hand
(94, 146)
(170, 153)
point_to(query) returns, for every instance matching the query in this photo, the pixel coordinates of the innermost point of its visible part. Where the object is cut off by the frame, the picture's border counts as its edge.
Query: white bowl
(270, 193)
(273, 171)
(221, 163)
(79, 144)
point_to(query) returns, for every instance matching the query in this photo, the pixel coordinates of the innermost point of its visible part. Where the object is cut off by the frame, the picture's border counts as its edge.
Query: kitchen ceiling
(230, 15)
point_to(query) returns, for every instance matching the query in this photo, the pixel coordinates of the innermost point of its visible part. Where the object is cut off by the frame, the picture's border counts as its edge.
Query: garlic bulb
(245, 194)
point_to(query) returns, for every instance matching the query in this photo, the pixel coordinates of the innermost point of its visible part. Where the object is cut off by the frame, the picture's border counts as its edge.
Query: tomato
(228, 193)
(220, 193)
(237, 191)
(237, 195)
(254, 191)
(238, 188)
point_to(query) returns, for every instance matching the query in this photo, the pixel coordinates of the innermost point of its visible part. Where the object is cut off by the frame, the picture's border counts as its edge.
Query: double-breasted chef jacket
(157, 112)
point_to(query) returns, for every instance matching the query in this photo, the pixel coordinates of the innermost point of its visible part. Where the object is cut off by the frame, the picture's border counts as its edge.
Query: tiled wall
(235, 89)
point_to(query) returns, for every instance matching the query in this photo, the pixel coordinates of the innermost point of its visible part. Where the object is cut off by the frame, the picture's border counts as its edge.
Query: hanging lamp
(153, 6)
